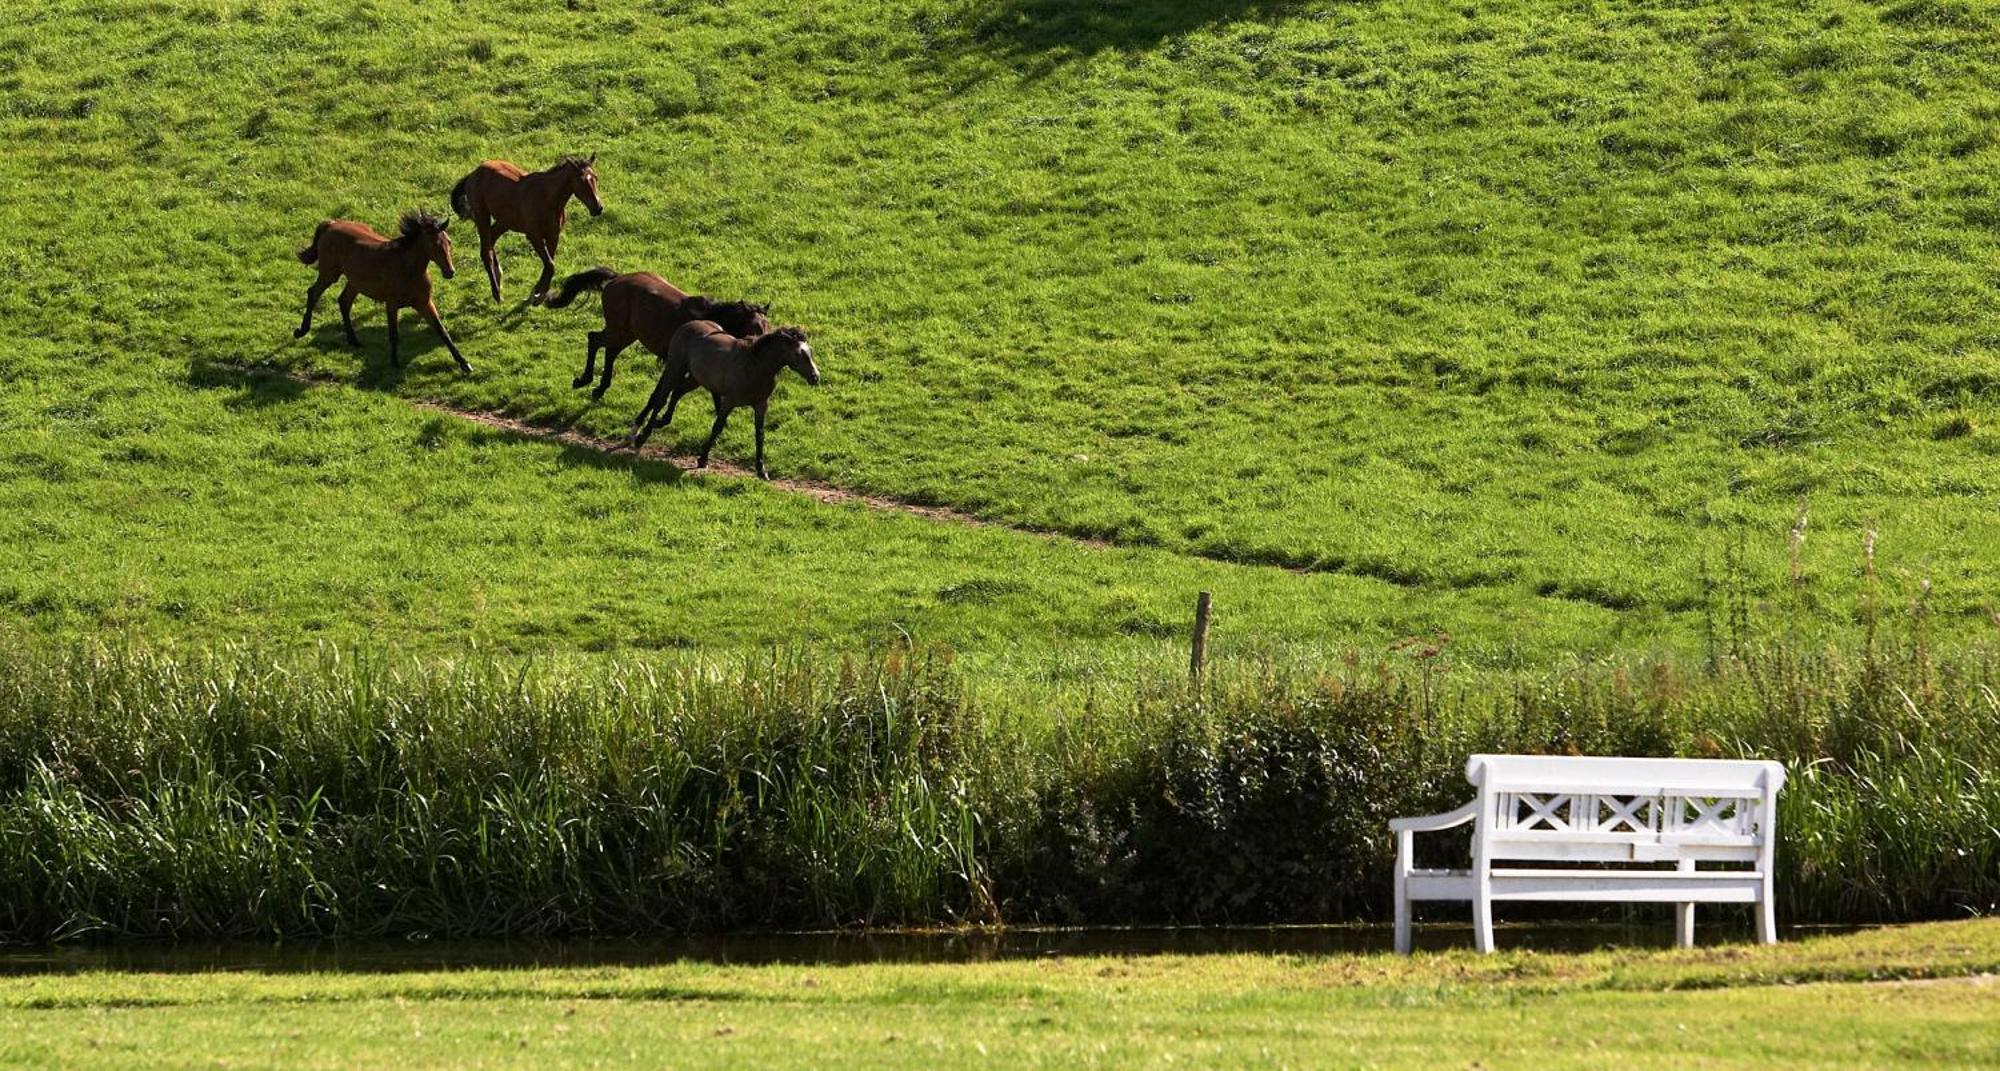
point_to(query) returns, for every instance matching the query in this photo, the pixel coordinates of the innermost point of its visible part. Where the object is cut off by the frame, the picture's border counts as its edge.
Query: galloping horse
(395, 272)
(736, 371)
(643, 307)
(499, 197)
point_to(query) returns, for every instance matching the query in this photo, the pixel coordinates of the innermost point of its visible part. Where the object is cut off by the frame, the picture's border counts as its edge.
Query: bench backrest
(1624, 810)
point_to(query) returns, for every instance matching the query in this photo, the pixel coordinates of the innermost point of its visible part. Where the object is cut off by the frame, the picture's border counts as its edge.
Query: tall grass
(233, 793)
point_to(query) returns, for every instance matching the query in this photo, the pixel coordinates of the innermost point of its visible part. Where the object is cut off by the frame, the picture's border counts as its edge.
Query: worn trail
(834, 494)
(717, 467)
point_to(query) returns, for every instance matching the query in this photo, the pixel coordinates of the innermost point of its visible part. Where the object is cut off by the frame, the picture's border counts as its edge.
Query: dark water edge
(835, 948)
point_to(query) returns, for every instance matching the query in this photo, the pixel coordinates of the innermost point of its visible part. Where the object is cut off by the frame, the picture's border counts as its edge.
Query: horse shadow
(260, 383)
(641, 468)
(374, 371)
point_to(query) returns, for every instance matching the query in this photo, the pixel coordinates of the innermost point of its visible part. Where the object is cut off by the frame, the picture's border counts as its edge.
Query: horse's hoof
(464, 369)
(597, 395)
(299, 332)
(579, 382)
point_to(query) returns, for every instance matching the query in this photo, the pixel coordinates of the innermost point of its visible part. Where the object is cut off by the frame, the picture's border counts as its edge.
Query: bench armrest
(1431, 823)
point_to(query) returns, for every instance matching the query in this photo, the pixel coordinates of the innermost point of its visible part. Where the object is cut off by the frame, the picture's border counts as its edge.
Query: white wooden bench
(1637, 814)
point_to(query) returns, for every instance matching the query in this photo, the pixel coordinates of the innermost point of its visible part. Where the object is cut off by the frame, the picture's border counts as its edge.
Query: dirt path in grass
(836, 495)
(823, 492)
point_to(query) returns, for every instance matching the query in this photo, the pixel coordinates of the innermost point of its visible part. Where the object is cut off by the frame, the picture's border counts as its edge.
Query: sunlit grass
(1516, 322)
(1709, 1008)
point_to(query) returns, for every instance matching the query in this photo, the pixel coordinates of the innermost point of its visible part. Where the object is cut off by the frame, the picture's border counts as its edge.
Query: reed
(235, 793)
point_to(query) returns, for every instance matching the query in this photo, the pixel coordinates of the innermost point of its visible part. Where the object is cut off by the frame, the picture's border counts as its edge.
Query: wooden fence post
(1200, 652)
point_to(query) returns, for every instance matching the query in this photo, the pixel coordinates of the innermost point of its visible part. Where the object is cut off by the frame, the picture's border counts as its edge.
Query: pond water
(829, 948)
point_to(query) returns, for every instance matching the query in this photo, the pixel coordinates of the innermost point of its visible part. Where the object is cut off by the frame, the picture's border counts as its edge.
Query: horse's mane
(578, 162)
(795, 334)
(415, 222)
(726, 312)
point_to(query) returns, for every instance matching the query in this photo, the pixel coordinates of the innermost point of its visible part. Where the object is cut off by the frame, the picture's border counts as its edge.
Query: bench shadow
(385, 955)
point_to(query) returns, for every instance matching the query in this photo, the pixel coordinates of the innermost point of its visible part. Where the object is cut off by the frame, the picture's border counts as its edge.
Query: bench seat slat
(1721, 840)
(1555, 849)
(1628, 788)
(1638, 886)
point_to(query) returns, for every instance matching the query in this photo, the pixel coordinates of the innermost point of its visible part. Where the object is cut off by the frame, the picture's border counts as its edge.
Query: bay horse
(499, 197)
(642, 307)
(736, 372)
(394, 271)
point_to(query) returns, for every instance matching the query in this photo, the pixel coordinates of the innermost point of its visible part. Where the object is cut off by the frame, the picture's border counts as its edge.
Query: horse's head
(583, 181)
(426, 231)
(795, 352)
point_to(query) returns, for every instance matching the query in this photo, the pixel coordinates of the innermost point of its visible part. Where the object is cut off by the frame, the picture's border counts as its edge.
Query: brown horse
(736, 371)
(642, 307)
(499, 197)
(395, 272)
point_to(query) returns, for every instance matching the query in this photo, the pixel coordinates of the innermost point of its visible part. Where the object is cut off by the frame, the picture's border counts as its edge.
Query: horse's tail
(461, 198)
(310, 253)
(588, 279)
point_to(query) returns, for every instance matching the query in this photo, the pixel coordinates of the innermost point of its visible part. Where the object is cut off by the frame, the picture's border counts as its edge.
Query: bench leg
(1684, 915)
(1482, 913)
(1767, 919)
(1404, 851)
(1403, 943)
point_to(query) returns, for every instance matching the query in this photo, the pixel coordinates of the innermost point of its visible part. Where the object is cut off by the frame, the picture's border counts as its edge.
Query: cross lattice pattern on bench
(1636, 815)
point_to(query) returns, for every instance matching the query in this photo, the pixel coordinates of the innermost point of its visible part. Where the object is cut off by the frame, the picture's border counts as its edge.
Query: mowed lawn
(1920, 996)
(1535, 325)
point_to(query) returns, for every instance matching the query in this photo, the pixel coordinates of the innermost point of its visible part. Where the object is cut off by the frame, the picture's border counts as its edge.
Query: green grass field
(1530, 323)
(1914, 997)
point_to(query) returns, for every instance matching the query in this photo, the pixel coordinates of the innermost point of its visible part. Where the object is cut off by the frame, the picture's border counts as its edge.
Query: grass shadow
(1040, 35)
(261, 384)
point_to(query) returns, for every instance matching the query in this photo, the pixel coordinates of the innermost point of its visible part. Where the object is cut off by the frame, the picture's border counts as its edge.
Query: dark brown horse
(395, 272)
(499, 197)
(736, 371)
(642, 307)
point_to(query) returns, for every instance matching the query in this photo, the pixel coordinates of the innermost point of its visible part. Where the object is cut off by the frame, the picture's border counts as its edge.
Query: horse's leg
(347, 314)
(644, 423)
(395, 359)
(312, 298)
(758, 410)
(490, 257)
(430, 311)
(611, 353)
(714, 433)
(674, 402)
(546, 249)
(583, 378)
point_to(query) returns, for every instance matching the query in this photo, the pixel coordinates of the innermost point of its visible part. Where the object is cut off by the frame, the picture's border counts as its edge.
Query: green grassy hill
(1535, 322)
